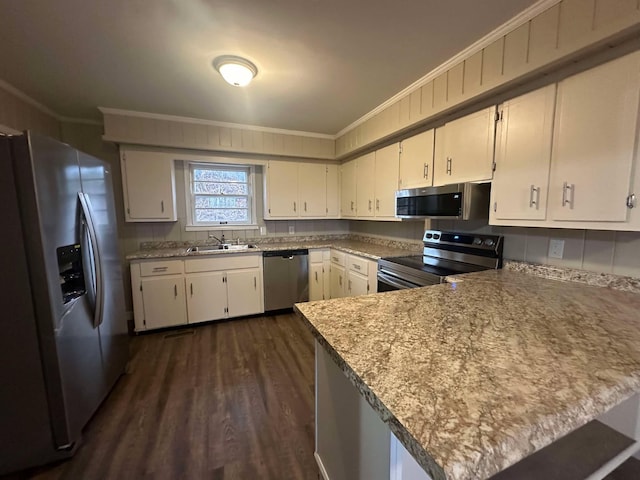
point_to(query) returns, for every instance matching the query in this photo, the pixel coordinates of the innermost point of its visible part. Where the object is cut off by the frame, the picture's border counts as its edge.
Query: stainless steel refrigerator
(63, 335)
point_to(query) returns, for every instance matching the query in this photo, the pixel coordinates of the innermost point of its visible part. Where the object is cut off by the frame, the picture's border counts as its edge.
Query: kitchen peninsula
(475, 375)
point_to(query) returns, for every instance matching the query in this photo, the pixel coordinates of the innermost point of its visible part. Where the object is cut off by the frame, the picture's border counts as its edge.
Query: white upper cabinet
(365, 185)
(416, 160)
(312, 187)
(348, 189)
(523, 154)
(300, 190)
(282, 189)
(149, 186)
(333, 190)
(467, 154)
(595, 142)
(387, 166)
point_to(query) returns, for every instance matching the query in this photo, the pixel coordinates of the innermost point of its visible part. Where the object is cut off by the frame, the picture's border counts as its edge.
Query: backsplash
(592, 250)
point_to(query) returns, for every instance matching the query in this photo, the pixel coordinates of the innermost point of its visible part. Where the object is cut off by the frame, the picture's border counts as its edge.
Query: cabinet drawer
(338, 257)
(358, 264)
(315, 256)
(222, 262)
(166, 267)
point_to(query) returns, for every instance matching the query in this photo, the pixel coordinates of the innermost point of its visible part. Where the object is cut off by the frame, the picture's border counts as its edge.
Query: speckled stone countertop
(474, 376)
(373, 251)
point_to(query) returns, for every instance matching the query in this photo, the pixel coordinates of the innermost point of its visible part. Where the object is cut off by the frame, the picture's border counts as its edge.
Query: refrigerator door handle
(87, 211)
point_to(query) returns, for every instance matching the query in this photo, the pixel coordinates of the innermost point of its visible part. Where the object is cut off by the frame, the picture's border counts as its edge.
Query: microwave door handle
(87, 212)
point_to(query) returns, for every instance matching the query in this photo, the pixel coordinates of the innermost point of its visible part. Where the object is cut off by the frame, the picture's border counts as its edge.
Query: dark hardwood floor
(230, 400)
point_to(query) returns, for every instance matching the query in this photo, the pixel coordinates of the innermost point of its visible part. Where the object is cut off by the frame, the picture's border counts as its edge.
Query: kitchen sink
(212, 248)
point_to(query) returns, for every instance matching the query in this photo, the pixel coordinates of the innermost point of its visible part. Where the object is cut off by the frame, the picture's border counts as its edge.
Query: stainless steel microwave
(460, 201)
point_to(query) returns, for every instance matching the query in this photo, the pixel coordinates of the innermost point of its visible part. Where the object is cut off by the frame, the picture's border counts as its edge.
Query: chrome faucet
(221, 241)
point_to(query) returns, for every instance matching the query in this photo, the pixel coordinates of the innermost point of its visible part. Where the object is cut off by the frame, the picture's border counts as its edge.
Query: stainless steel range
(444, 253)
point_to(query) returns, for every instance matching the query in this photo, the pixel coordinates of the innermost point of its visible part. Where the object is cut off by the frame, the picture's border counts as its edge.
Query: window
(220, 194)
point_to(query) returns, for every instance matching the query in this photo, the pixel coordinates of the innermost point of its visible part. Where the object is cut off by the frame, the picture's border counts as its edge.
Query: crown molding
(510, 25)
(44, 109)
(175, 118)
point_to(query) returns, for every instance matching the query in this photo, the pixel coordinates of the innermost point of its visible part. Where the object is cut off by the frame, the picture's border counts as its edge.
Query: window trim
(189, 197)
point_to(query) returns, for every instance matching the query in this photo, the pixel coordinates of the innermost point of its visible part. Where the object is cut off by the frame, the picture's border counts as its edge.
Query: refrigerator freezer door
(98, 192)
(48, 180)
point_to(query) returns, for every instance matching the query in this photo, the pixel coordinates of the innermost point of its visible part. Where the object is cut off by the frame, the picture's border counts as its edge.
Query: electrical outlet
(292, 230)
(263, 230)
(556, 248)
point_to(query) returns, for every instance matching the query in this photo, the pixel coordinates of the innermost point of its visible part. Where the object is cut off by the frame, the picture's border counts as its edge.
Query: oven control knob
(436, 236)
(489, 242)
(477, 241)
(428, 235)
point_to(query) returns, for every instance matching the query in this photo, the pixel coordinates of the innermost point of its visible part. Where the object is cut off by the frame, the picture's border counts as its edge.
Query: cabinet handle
(565, 196)
(534, 196)
(340, 280)
(377, 204)
(294, 207)
(191, 287)
(305, 206)
(425, 171)
(349, 285)
(369, 205)
(357, 267)
(162, 205)
(160, 269)
(631, 201)
(255, 283)
(449, 163)
(175, 291)
(352, 205)
(316, 276)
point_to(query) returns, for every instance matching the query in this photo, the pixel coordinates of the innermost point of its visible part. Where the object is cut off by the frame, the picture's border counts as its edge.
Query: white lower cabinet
(319, 276)
(244, 292)
(206, 296)
(163, 301)
(352, 275)
(175, 292)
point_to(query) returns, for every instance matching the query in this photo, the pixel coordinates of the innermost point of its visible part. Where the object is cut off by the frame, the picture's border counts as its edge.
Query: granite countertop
(473, 376)
(369, 250)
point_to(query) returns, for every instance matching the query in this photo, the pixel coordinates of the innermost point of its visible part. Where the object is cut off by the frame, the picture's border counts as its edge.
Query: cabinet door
(244, 292)
(594, 142)
(440, 162)
(357, 284)
(416, 160)
(469, 147)
(206, 297)
(316, 282)
(523, 153)
(348, 189)
(365, 185)
(326, 278)
(164, 303)
(386, 180)
(312, 185)
(338, 281)
(282, 189)
(149, 187)
(333, 190)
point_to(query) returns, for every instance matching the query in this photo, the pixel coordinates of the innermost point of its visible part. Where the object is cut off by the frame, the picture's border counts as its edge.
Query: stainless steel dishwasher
(286, 278)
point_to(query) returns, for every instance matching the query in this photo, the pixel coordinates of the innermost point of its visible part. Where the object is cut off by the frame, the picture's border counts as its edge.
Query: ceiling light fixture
(236, 71)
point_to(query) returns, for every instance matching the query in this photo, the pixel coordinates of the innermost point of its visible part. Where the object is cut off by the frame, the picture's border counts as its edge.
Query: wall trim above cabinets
(138, 128)
(510, 25)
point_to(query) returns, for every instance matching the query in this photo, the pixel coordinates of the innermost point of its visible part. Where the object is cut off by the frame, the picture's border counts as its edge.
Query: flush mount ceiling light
(236, 71)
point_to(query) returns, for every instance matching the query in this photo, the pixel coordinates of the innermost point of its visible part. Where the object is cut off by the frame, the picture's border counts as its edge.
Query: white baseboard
(323, 472)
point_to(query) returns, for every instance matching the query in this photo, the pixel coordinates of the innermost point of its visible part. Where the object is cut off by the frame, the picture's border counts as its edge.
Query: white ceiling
(322, 63)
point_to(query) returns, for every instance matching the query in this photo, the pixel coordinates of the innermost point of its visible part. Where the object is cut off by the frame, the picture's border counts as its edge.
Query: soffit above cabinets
(322, 64)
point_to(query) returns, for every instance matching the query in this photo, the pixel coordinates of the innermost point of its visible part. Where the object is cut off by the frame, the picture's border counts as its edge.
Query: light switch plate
(556, 248)
(292, 230)
(263, 230)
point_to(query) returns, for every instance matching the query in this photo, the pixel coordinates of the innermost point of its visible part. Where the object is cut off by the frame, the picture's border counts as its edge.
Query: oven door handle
(395, 282)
